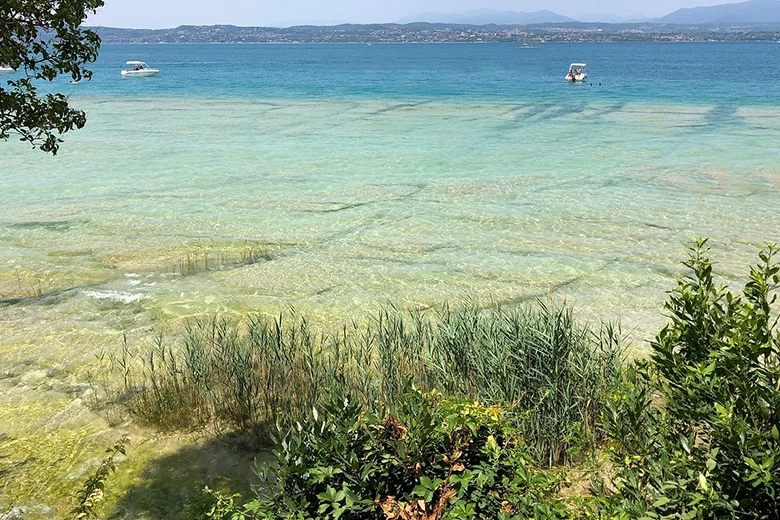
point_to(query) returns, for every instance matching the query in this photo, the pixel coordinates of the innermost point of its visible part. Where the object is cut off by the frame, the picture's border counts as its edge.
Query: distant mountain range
(753, 11)
(489, 16)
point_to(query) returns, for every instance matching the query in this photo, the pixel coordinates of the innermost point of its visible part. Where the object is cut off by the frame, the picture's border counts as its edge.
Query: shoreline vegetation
(448, 33)
(243, 377)
(474, 413)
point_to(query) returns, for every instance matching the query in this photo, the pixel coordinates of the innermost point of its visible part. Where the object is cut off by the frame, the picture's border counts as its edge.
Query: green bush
(696, 428)
(435, 458)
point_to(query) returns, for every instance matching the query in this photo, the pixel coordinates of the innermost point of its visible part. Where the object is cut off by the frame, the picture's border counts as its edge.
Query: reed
(208, 258)
(554, 373)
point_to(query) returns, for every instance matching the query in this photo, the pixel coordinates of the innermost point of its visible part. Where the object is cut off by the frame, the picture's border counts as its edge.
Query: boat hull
(576, 78)
(140, 73)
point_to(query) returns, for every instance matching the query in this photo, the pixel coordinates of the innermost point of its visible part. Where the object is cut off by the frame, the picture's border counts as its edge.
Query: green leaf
(367, 470)
(661, 501)
(684, 444)
(703, 484)
(423, 492)
(427, 483)
(750, 462)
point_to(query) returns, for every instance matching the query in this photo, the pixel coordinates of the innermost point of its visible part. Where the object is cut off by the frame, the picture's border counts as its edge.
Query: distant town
(442, 33)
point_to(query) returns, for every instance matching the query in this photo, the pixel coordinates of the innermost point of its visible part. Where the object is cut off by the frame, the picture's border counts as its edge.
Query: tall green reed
(554, 373)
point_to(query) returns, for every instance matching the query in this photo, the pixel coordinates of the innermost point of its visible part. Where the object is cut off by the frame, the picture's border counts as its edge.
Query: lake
(337, 179)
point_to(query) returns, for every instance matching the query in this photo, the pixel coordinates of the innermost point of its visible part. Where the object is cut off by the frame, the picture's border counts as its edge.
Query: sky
(156, 14)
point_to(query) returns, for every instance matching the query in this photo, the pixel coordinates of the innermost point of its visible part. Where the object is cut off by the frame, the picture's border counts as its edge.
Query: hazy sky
(171, 13)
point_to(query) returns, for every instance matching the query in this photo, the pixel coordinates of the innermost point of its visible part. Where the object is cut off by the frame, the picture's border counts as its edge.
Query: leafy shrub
(435, 458)
(709, 447)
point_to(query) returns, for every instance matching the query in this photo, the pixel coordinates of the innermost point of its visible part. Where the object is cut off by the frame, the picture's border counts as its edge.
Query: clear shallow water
(409, 174)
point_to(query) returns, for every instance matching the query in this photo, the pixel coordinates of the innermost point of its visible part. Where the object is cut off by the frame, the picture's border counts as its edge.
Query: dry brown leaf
(447, 496)
(394, 428)
(389, 507)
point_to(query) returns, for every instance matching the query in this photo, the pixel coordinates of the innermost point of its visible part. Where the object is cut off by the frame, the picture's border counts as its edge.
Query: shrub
(710, 446)
(435, 458)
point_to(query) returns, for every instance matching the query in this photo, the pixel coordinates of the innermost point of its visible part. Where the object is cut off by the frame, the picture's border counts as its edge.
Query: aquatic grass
(208, 258)
(246, 375)
(26, 286)
(161, 391)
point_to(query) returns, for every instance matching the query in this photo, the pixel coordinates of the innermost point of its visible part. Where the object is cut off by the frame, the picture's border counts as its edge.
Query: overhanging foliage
(42, 39)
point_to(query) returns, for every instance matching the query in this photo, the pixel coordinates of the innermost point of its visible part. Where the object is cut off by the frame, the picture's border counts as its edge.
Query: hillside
(489, 16)
(440, 32)
(753, 11)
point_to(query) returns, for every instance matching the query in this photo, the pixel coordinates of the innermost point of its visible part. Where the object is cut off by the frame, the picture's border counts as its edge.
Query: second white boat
(576, 72)
(139, 69)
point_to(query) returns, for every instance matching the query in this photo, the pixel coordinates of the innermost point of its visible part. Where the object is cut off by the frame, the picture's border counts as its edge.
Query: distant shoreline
(447, 33)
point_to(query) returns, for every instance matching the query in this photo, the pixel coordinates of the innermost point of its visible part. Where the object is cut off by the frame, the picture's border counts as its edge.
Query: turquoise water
(338, 178)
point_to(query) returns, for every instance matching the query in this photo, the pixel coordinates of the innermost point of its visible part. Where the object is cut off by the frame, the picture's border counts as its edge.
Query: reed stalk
(553, 373)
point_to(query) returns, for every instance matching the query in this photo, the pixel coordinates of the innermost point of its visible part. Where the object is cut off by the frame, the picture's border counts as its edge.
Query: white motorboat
(139, 69)
(6, 69)
(576, 72)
